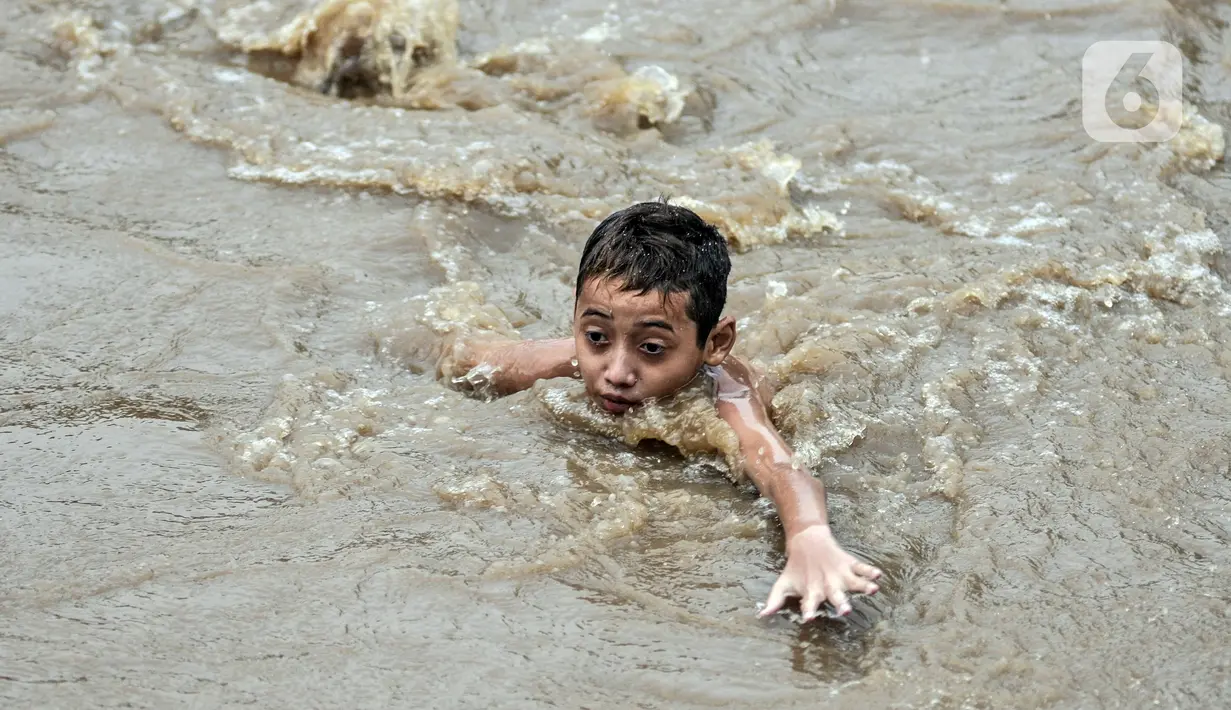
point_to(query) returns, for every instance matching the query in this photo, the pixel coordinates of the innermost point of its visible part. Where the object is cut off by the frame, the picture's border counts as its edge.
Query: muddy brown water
(1005, 347)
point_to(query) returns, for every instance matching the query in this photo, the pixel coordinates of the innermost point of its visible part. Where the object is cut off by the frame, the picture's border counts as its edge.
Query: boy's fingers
(777, 597)
(812, 602)
(866, 570)
(861, 585)
(837, 597)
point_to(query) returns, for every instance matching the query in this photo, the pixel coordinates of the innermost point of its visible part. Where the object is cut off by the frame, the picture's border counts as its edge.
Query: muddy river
(233, 234)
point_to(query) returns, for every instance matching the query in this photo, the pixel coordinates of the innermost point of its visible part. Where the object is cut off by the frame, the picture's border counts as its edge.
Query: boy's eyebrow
(654, 323)
(643, 323)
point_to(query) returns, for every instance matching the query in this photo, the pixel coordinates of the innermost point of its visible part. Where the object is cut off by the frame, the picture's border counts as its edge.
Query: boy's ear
(720, 342)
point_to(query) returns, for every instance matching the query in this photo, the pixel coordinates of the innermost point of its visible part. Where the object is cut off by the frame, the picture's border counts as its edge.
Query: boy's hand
(818, 569)
(462, 353)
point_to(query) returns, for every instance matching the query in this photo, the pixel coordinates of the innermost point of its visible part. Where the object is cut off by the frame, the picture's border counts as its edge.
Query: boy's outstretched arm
(817, 568)
(515, 364)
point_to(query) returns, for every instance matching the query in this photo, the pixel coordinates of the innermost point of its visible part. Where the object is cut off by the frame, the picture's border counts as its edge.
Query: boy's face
(633, 347)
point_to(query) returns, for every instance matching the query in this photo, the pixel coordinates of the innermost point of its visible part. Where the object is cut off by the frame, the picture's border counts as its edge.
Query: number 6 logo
(1103, 62)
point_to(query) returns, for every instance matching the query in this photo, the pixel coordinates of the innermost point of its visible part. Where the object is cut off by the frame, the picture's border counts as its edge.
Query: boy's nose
(620, 372)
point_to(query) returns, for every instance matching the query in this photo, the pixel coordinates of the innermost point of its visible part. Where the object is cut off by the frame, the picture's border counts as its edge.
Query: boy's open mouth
(614, 404)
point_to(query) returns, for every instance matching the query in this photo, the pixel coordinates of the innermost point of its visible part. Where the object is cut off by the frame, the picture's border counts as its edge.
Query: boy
(647, 320)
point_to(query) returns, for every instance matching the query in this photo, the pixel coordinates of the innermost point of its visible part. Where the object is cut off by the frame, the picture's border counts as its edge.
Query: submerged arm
(515, 364)
(817, 567)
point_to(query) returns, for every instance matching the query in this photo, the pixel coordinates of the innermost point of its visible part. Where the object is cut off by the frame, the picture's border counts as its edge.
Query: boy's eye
(653, 348)
(595, 337)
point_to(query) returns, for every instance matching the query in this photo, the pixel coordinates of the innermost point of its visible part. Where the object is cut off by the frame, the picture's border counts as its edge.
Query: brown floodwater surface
(229, 478)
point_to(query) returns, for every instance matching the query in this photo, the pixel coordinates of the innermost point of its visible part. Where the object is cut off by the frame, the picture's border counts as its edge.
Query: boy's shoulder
(736, 378)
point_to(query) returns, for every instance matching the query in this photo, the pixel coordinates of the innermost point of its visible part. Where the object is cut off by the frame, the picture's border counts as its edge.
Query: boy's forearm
(518, 365)
(798, 497)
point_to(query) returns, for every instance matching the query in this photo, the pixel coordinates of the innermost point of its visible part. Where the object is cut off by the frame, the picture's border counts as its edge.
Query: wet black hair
(657, 246)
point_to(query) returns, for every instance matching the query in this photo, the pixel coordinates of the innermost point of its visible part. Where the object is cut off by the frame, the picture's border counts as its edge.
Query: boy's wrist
(807, 510)
(815, 528)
